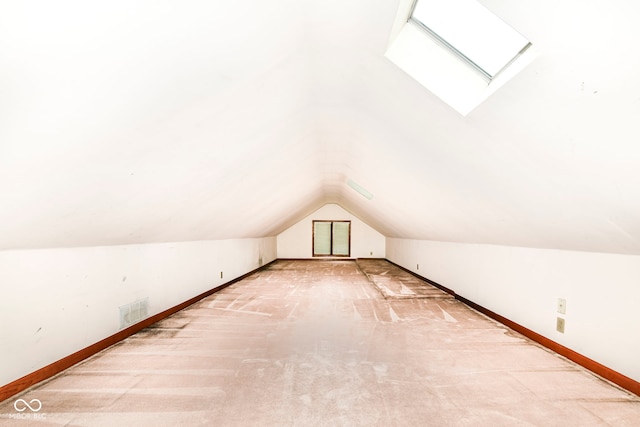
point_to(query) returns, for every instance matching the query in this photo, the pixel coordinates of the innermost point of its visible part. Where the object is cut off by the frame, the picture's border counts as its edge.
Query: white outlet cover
(562, 306)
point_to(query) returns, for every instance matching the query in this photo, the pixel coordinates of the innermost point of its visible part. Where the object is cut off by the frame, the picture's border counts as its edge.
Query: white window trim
(439, 70)
(485, 18)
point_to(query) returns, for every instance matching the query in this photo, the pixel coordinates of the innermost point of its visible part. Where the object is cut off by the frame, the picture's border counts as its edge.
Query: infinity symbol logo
(24, 405)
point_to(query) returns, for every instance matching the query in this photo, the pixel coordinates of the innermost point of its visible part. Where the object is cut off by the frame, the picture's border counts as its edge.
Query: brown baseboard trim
(55, 368)
(317, 259)
(48, 371)
(429, 281)
(595, 367)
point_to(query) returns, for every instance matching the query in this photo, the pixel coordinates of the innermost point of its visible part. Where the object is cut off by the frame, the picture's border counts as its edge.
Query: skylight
(457, 49)
(472, 32)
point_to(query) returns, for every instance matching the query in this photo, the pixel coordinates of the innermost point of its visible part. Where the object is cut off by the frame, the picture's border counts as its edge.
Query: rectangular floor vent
(134, 312)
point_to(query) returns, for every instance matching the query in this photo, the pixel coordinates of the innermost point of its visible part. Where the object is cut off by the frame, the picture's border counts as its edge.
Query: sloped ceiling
(145, 121)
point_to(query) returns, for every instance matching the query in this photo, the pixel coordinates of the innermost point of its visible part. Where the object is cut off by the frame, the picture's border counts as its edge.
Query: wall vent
(134, 312)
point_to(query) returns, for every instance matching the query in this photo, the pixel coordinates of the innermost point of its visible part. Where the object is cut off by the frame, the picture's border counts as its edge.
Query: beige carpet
(315, 343)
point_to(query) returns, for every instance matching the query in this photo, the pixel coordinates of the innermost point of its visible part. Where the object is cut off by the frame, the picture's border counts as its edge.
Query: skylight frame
(440, 40)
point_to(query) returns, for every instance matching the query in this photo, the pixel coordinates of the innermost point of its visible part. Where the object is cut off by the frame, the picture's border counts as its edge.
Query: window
(472, 32)
(457, 49)
(331, 238)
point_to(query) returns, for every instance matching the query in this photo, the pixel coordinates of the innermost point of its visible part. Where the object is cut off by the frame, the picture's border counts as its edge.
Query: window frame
(439, 39)
(313, 239)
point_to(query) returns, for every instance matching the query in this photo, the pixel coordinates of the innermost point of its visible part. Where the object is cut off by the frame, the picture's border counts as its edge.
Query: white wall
(523, 285)
(295, 242)
(57, 301)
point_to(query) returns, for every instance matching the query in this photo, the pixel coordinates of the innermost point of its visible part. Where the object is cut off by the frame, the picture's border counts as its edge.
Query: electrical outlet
(562, 306)
(221, 275)
(560, 325)
(417, 266)
(371, 253)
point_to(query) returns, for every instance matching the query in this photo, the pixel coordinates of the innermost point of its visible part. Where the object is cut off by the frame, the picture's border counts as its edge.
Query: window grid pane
(341, 238)
(321, 238)
(473, 31)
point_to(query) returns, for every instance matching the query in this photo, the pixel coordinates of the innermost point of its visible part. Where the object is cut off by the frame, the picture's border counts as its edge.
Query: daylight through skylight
(472, 32)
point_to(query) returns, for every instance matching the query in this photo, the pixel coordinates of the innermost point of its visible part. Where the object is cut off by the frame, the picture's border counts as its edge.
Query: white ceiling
(147, 121)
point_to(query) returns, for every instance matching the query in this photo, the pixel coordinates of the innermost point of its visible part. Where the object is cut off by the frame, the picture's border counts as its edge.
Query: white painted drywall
(523, 284)
(295, 242)
(136, 122)
(58, 301)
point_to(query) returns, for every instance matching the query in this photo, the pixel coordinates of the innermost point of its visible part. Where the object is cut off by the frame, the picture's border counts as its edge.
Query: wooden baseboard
(324, 258)
(54, 368)
(48, 371)
(332, 259)
(429, 281)
(595, 367)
